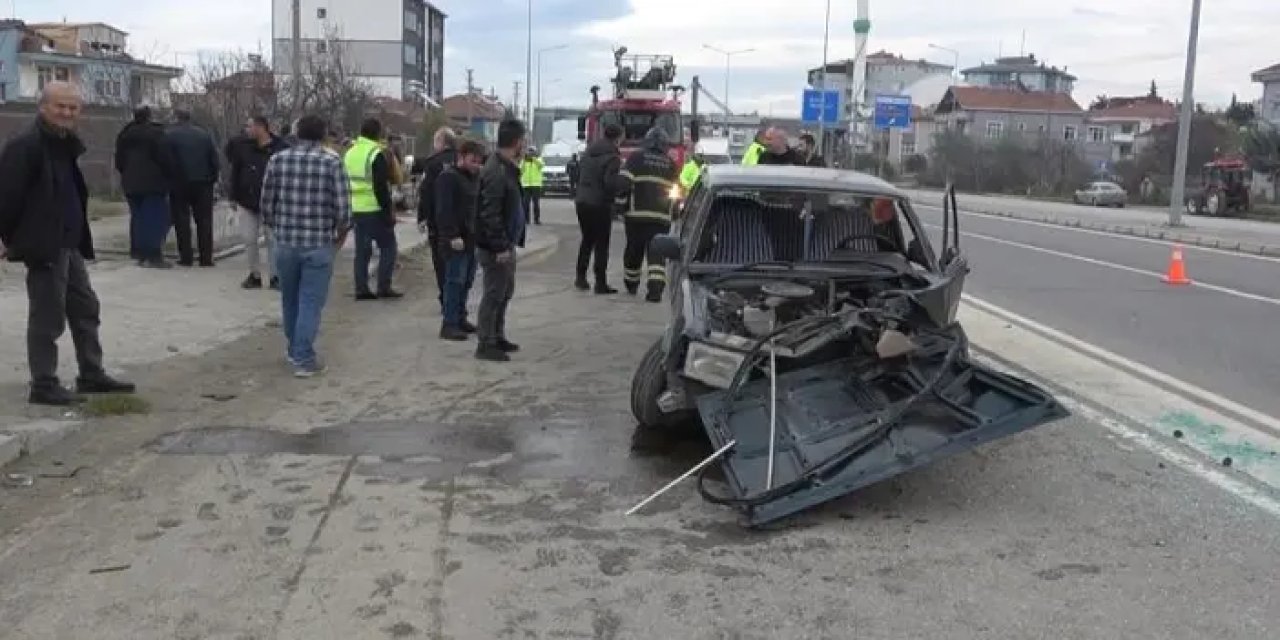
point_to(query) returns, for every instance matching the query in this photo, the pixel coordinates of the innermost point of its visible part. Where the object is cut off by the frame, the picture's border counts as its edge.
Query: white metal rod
(698, 467)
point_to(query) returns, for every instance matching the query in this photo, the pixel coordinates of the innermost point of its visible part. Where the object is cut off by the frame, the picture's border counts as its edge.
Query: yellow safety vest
(689, 174)
(358, 162)
(531, 172)
(752, 156)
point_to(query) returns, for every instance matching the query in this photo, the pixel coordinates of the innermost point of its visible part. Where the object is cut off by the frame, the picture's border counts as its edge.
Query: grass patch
(122, 404)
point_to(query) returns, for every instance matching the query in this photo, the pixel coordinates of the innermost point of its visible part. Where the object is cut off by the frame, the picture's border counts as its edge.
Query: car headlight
(674, 193)
(712, 365)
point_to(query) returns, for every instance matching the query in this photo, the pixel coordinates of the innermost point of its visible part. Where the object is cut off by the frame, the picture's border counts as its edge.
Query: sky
(1114, 48)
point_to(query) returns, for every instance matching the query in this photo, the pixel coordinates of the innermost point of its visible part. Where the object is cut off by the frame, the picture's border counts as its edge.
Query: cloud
(1113, 51)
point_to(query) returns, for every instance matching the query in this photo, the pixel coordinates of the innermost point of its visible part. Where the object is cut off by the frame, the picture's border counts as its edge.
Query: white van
(714, 150)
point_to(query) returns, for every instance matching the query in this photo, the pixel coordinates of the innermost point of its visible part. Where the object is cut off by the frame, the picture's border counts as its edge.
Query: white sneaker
(308, 371)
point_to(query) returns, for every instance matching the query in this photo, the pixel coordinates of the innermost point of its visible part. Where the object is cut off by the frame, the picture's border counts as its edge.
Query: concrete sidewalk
(149, 315)
(1231, 234)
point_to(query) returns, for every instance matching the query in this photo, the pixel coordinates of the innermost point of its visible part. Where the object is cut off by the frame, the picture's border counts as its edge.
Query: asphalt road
(1219, 334)
(412, 492)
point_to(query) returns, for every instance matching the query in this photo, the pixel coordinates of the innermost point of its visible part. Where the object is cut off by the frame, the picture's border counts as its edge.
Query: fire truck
(644, 96)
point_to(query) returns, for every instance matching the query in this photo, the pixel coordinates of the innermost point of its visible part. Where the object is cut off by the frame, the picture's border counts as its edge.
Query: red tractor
(1225, 188)
(644, 97)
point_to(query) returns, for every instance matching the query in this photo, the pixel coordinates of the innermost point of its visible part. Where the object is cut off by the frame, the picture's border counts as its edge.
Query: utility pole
(471, 97)
(822, 87)
(528, 68)
(515, 98)
(297, 58)
(1178, 197)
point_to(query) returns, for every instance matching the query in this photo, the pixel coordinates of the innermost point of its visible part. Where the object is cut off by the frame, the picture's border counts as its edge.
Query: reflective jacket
(358, 162)
(651, 175)
(752, 156)
(531, 172)
(689, 174)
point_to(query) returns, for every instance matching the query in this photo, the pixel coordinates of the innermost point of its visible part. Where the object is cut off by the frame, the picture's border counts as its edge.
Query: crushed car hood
(848, 423)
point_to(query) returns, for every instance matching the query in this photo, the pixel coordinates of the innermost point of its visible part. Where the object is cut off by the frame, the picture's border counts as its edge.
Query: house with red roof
(1124, 121)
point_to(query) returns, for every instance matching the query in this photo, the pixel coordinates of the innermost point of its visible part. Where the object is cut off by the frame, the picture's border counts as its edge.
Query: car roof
(796, 177)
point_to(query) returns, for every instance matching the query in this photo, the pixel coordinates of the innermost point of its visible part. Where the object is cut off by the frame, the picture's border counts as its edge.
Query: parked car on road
(1102, 194)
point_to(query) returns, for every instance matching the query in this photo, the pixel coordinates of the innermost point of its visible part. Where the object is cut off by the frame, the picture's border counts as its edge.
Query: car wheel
(647, 385)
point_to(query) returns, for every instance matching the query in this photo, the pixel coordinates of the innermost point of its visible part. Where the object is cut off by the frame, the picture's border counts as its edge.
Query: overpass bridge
(545, 117)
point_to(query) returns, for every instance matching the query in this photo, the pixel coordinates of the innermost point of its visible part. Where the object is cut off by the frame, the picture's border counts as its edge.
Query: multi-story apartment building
(92, 55)
(395, 46)
(1021, 72)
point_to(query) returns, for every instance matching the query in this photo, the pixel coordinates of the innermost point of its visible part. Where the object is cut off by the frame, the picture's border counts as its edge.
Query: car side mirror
(915, 253)
(666, 246)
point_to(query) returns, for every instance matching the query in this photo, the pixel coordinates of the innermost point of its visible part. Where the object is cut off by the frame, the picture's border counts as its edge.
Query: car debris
(18, 480)
(813, 335)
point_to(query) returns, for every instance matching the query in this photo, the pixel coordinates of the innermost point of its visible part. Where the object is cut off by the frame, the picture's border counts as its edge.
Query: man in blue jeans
(369, 172)
(455, 218)
(306, 202)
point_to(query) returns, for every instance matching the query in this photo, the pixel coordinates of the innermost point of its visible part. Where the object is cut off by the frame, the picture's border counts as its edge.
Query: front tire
(647, 385)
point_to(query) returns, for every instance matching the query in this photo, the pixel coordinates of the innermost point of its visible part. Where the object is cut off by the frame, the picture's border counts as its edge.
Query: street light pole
(955, 68)
(822, 88)
(296, 16)
(528, 69)
(728, 58)
(540, 52)
(1178, 197)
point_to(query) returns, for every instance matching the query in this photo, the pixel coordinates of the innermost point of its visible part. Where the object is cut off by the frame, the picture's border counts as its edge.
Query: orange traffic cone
(1177, 273)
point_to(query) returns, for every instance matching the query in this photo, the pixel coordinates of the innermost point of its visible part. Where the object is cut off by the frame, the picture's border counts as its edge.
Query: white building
(396, 46)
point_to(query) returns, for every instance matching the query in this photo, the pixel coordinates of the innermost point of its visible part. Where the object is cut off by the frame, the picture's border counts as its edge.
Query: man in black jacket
(598, 186)
(455, 214)
(196, 157)
(807, 153)
(145, 167)
(248, 156)
(44, 223)
(500, 224)
(777, 150)
(651, 176)
(443, 155)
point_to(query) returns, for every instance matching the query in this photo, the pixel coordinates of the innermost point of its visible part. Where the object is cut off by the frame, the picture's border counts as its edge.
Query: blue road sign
(892, 112)
(817, 103)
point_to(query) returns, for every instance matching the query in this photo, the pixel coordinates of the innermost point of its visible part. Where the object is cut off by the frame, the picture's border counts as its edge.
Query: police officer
(692, 170)
(650, 176)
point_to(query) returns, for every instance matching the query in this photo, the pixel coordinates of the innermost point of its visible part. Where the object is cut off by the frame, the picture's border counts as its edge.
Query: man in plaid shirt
(306, 202)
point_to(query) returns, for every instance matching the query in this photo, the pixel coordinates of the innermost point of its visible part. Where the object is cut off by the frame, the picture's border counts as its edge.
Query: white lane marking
(1266, 422)
(1112, 265)
(1108, 234)
(1136, 410)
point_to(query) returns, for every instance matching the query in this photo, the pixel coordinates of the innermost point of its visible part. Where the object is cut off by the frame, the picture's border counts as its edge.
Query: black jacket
(652, 174)
(787, 157)
(143, 160)
(431, 169)
(598, 180)
(195, 154)
(814, 160)
(31, 227)
(498, 204)
(455, 207)
(248, 161)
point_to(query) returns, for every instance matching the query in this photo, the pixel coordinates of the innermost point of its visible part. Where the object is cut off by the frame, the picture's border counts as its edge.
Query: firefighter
(650, 176)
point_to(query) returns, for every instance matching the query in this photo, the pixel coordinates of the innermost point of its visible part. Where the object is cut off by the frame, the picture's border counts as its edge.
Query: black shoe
(186, 263)
(491, 353)
(53, 396)
(456, 334)
(632, 288)
(603, 288)
(468, 327)
(507, 346)
(275, 283)
(104, 384)
(653, 296)
(390, 294)
(206, 263)
(155, 263)
(254, 281)
(365, 295)
(581, 283)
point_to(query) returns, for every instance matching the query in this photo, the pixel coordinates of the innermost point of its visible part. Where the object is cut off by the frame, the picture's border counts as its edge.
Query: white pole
(528, 69)
(698, 467)
(1177, 198)
(822, 87)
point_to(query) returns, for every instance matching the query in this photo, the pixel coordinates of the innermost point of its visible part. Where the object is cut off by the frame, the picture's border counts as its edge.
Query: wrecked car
(813, 335)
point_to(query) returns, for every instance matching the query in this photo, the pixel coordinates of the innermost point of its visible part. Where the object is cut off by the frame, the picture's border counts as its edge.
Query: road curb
(26, 439)
(1170, 235)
